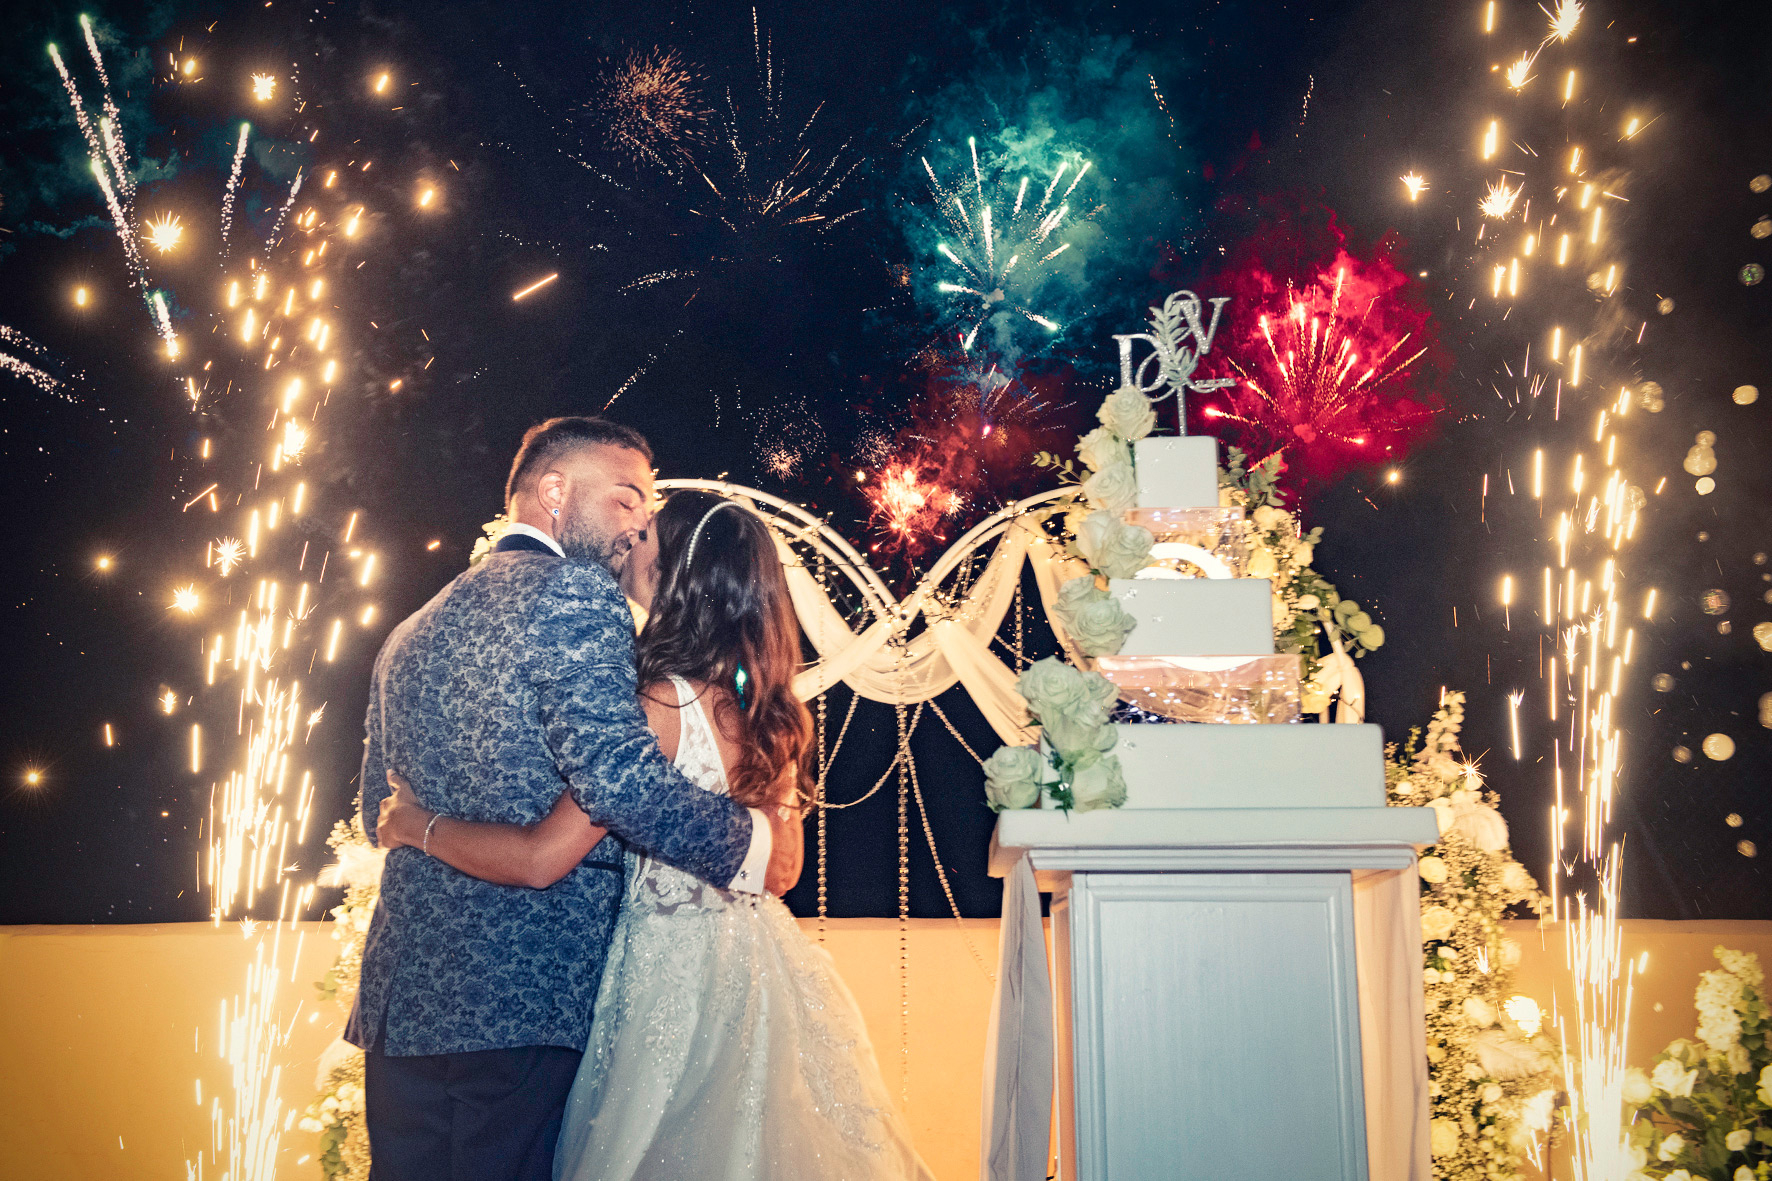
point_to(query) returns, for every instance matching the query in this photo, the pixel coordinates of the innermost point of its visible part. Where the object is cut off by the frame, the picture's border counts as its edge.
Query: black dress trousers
(484, 1115)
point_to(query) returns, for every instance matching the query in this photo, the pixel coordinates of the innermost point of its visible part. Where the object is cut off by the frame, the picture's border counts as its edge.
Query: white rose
(1432, 870)
(1113, 547)
(1309, 602)
(1765, 1090)
(1481, 825)
(1012, 777)
(1051, 686)
(1268, 519)
(1302, 553)
(1638, 1090)
(1101, 448)
(1479, 1012)
(1127, 413)
(1437, 922)
(1312, 698)
(1743, 1173)
(1448, 954)
(1491, 1093)
(310, 1124)
(1098, 784)
(1430, 975)
(1443, 1137)
(1671, 1147)
(1679, 1175)
(1735, 1141)
(1113, 489)
(1092, 618)
(1671, 1079)
(1262, 564)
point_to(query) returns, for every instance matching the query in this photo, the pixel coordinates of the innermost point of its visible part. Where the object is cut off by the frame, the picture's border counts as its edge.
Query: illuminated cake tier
(1203, 647)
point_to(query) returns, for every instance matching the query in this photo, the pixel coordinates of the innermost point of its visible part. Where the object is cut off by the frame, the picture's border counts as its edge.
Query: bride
(724, 1045)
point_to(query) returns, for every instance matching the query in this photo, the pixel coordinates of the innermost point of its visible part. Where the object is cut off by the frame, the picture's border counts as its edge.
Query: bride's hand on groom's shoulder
(401, 820)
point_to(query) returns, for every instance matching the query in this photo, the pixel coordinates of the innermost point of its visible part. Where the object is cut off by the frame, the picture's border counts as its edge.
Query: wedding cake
(1202, 651)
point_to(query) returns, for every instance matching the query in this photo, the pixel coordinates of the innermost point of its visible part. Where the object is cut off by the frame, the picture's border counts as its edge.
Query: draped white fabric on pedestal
(1018, 1049)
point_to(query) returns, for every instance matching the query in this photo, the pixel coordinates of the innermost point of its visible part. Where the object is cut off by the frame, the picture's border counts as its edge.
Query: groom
(514, 683)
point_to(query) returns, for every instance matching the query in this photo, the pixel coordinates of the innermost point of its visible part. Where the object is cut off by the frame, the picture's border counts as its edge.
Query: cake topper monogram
(1179, 337)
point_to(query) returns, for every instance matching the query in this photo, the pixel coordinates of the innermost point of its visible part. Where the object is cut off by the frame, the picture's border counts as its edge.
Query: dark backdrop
(1332, 101)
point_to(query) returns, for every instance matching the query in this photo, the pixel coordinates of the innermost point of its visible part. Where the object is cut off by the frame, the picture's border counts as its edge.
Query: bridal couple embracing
(580, 966)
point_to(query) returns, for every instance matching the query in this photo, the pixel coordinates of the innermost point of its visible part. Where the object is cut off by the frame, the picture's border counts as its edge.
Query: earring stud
(556, 512)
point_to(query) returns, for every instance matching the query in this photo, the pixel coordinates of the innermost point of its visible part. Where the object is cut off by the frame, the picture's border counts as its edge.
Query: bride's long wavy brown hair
(727, 610)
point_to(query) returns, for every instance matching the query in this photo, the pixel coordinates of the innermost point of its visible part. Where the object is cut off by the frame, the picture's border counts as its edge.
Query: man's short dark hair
(547, 441)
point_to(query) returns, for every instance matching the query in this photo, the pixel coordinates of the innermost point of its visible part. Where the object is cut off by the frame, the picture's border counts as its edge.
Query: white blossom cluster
(337, 1114)
(1492, 1069)
(1704, 1110)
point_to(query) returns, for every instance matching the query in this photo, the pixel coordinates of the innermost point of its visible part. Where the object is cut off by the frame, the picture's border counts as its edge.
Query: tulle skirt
(725, 1047)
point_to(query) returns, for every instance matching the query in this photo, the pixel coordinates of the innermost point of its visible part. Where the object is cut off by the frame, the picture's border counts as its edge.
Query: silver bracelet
(426, 846)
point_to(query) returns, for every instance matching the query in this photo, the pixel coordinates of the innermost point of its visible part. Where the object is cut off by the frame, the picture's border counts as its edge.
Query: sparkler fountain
(1547, 249)
(274, 350)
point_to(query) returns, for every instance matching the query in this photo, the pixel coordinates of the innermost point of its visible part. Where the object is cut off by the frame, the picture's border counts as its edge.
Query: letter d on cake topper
(1172, 326)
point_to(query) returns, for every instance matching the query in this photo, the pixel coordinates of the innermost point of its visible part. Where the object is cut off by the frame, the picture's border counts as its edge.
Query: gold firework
(185, 599)
(649, 108)
(165, 232)
(1499, 201)
(263, 87)
(229, 552)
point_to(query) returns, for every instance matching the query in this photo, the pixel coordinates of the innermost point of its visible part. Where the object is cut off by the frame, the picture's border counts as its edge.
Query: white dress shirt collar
(532, 531)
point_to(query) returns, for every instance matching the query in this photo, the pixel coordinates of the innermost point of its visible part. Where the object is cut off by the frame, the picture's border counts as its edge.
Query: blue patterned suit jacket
(513, 683)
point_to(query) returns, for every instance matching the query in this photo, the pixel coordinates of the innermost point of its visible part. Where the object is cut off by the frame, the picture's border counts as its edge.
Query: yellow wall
(105, 1030)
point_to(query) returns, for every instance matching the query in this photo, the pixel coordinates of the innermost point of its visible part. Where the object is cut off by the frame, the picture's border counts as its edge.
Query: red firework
(1329, 360)
(973, 428)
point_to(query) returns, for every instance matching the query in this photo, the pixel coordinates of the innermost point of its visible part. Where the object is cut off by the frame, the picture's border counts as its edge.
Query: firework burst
(1002, 240)
(1320, 375)
(1499, 201)
(165, 232)
(649, 109)
(909, 505)
(759, 184)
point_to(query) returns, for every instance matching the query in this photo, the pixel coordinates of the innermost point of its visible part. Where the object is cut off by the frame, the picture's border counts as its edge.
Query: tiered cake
(1203, 651)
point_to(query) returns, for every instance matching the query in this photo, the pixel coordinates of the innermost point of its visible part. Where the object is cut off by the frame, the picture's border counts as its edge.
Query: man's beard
(583, 542)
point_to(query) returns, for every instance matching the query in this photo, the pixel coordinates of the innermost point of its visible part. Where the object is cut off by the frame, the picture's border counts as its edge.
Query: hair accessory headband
(696, 535)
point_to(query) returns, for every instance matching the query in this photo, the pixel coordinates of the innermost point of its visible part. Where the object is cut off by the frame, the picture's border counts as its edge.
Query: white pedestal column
(1209, 988)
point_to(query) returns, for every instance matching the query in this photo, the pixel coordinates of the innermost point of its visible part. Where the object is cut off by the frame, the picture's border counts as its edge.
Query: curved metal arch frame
(827, 542)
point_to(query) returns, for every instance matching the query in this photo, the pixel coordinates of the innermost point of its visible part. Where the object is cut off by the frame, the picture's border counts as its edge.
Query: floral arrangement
(493, 530)
(1073, 764)
(1703, 1110)
(1281, 551)
(337, 1113)
(1492, 1070)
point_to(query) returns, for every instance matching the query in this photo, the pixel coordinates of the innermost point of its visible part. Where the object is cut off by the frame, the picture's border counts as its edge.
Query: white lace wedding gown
(725, 1047)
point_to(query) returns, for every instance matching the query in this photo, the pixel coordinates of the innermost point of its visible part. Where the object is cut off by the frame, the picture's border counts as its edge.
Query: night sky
(819, 342)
